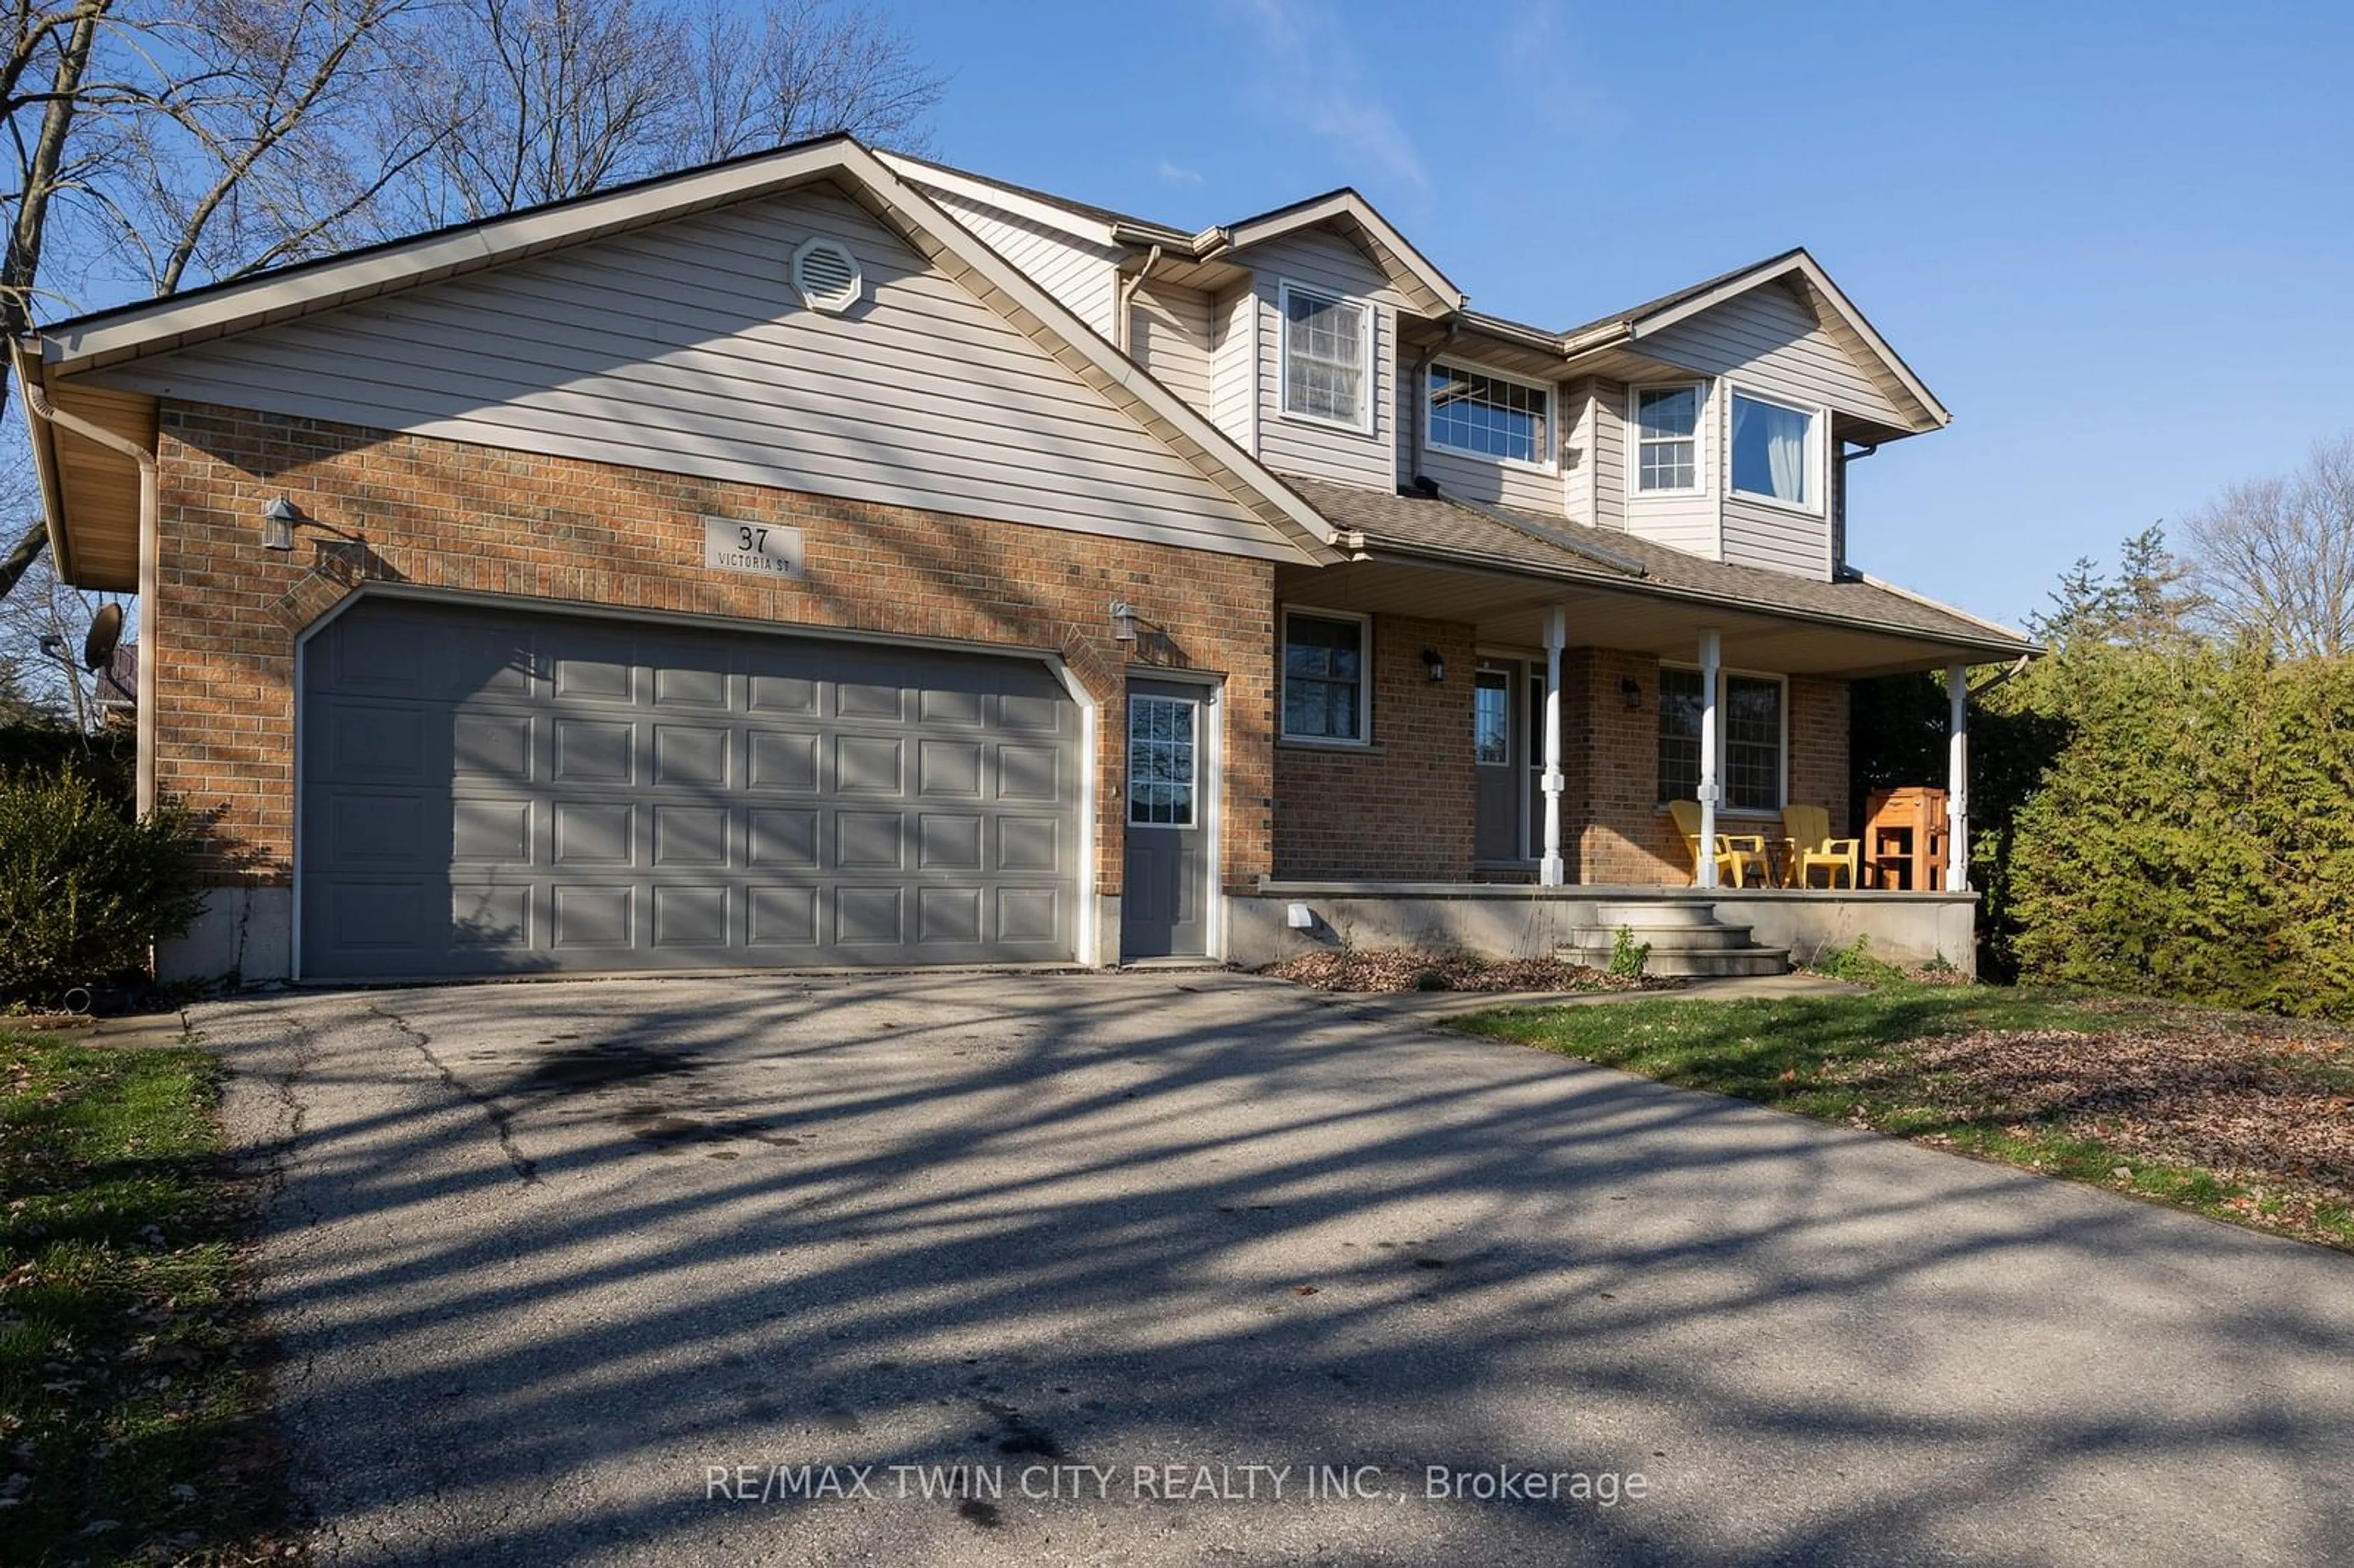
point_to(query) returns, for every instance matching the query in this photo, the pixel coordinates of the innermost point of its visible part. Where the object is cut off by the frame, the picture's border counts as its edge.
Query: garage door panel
(594, 832)
(588, 915)
(873, 915)
(781, 840)
(594, 751)
(535, 791)
(783, 761)
(491, 832)
(691, 836)
(493, 746)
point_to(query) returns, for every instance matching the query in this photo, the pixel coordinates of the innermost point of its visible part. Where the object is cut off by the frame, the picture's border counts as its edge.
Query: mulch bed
(2272, 1109)
(1408, 968)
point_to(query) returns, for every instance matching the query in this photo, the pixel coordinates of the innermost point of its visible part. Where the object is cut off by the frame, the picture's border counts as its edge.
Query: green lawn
(2244, 1119)
(131, 1425)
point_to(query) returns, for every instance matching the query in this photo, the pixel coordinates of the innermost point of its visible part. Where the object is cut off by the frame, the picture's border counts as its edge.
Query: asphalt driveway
(770, 1270)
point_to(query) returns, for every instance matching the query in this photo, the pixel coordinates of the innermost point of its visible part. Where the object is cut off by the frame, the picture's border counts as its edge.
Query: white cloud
(1177, 174)
(1310, 72)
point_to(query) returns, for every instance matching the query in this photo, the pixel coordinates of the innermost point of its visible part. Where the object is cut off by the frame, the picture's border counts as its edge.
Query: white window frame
(1200, 706)
(1548, 440)
(1634, 455)
(1364, 738)
(1820, 421)
(1363, 424)
(1726, 673)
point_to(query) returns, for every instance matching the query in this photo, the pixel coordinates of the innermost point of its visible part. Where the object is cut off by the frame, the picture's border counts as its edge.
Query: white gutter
(1120, 330)
(36, 399)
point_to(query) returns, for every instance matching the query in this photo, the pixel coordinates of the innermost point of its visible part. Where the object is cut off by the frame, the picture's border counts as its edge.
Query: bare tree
(554, 99)
(802, 68)
(2276, 557)
(176, 141)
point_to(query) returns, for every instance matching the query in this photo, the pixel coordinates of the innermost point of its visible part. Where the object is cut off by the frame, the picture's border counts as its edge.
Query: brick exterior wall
(1401, 809)
(547, 531)
(1819, 746)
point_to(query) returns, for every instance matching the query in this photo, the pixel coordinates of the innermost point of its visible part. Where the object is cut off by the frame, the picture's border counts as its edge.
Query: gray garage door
(489, 793)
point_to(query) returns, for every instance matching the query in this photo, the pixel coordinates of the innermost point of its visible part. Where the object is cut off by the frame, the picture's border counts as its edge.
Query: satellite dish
(105, 631)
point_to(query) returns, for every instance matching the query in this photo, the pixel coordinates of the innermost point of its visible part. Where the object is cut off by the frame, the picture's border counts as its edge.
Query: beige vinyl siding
(1169, 330)
(1081, 273)
(1597, 445)
(1774, 537)
(1329, 264)
(682, 348)
(1767, 340)
(1499, 483)
(1693, 523)
(1233, 366)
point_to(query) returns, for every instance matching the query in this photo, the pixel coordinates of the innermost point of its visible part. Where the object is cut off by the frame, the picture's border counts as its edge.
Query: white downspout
(1552, 872)
(1123, 332)
(1711, 648)
(1957, 779)
(37, 398)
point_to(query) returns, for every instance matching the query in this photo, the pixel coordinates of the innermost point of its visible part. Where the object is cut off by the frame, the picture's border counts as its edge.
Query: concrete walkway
(589, 1273)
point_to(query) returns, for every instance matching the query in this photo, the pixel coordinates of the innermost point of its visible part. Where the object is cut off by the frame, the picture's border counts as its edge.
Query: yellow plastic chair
(1810, 845)
(1737, 853)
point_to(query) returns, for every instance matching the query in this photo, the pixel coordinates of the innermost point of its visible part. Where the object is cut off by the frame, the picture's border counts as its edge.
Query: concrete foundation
(1520, 921)
(244, 932)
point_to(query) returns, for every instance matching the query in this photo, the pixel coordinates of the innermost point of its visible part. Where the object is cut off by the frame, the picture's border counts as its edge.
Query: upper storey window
(1773, 452)
(1666, 440)
(1485, 415)
(1327, 358)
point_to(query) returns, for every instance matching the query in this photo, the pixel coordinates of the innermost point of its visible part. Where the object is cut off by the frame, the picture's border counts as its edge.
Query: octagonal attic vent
(826, 275)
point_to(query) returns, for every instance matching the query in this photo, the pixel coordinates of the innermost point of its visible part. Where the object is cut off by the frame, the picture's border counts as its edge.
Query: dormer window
(1773, 452)
(1481, 415)
(1327, 358)
(1666, 440)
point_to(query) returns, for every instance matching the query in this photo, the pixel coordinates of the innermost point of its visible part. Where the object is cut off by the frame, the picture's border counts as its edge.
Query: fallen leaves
(1415, 969)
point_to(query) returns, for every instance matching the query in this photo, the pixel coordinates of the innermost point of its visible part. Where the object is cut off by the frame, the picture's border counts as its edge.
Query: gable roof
(138, 331)
(1410, 271)
(1830, 304)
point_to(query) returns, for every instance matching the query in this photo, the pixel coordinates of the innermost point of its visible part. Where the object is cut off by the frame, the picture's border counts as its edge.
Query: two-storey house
(832, 557)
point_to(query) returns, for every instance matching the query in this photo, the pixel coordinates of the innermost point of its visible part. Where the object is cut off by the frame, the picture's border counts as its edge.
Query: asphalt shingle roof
(1415, 522)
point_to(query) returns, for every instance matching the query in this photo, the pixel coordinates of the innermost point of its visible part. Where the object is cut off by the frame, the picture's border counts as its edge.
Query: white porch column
(1957, 778)
(1710, 648)
(1552, 872)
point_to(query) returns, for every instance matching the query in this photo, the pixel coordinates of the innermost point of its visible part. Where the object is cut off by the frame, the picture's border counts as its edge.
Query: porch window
(1666, 440)
(1751, 752)
(1486, 415)
(1324, 687)
(1327, 358)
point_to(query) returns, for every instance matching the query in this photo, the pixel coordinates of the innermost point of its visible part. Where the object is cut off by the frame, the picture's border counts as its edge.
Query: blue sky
(2117, 240)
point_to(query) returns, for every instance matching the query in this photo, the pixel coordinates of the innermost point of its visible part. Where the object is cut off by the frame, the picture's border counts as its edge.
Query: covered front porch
(1284, 919)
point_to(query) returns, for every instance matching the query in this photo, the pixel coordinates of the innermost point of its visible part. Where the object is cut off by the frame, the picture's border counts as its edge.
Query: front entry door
(1495, 760)
(1164, 905)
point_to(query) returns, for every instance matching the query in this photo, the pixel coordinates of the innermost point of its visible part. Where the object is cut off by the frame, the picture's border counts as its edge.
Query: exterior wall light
(1434, 663)
(1123, 621)
(1632, 690)
(278, 520)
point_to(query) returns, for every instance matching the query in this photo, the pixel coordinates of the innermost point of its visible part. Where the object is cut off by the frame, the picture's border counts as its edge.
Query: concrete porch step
(1679, 963)
(1663, 938)
(1657, 913)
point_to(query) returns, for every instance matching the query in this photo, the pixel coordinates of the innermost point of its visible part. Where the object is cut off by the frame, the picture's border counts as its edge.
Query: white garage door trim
(1087, 937)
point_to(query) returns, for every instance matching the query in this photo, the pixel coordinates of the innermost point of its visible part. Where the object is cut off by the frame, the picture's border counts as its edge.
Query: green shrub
(83, 888)
(1854, 963)
(1627, 956)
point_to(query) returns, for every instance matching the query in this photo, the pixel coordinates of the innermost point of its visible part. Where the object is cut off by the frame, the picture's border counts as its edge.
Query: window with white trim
(1752, 750)
(1327, 362)
(1326, 691)
(1666, 440)
(1773, 452)
(1481, 415)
